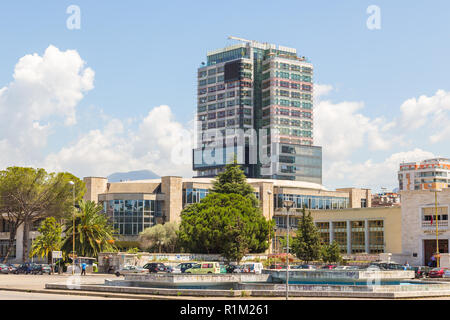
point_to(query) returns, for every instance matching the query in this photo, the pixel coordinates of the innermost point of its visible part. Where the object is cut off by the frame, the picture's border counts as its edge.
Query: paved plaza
(32, 287)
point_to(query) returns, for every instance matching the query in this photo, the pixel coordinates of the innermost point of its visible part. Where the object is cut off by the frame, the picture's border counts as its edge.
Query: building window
(340, 234)
(376, 236)
(194, 195)
(130, 217)
(4, 249)
(358, 237)
(324, 231)
(363, 203)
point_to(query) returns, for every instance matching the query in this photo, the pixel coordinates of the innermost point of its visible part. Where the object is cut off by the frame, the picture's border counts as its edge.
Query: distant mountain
(132, 176)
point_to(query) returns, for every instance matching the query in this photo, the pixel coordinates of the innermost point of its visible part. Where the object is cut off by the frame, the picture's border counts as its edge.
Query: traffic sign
(57, 254)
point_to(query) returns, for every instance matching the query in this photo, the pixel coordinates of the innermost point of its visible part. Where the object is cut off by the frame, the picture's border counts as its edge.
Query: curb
(92, 294)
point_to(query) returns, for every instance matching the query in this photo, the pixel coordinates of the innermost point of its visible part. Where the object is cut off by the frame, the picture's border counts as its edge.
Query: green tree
(233, 180)
(226, 224)
(48, 240)
(283, 243)
(94, 232)
(331, 253)
(306, 243)
(160, 236)
(133, 250)
(28, 195)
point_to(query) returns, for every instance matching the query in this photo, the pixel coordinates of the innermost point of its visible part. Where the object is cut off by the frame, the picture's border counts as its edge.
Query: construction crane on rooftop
(242, 39)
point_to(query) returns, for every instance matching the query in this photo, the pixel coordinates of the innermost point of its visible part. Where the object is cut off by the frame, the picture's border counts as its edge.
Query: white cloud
(342, 129)
(114, 149)
(46, 89)
(321, 90)
(431, 114)
(370, 174)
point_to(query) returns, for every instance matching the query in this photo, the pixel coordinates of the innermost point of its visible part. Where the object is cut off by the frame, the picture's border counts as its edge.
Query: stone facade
(416, 230)
(358, 196)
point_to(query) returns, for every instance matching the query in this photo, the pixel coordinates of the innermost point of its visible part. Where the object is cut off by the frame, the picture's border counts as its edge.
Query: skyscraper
(255, 101)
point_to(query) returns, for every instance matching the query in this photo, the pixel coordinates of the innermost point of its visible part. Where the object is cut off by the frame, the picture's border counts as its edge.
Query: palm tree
(49, 239)
(94, 232)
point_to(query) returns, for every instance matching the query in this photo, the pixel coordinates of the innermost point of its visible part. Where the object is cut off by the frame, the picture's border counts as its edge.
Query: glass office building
(257, 98)
(130, 217)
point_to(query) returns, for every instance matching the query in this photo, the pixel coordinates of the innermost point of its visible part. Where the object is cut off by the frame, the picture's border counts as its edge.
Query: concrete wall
(172, 187)
(94, 187)
(355, 196)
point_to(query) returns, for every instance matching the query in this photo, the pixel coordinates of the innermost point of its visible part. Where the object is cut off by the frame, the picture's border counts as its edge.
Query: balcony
(441, 224)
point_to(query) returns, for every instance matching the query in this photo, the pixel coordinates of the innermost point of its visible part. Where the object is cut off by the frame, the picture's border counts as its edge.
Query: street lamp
(73, 228)
(288, 204)
(436, 190)
(270, 196)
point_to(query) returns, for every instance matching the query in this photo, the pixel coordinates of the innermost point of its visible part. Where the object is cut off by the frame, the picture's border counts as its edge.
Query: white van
(252, 267)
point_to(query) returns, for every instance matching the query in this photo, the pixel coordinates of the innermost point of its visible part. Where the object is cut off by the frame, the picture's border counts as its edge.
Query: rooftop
(276, 183)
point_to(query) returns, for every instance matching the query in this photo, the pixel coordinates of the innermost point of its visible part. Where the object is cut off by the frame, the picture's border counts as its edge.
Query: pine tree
(233, 180)
(228, 221)
(306, 243)
(331, 253)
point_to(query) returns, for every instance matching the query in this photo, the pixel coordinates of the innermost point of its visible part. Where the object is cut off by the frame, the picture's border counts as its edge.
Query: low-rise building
(419, 224)
(386, 199)
(136, 205)
(356, 230)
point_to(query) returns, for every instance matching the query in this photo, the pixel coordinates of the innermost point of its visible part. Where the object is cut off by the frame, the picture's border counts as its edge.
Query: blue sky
(145, 54)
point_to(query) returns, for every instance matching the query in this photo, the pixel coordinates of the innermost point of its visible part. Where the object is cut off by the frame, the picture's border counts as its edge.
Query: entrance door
(430, 248)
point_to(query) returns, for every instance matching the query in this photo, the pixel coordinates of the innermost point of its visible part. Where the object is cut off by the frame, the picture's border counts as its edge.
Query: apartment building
(424, 174)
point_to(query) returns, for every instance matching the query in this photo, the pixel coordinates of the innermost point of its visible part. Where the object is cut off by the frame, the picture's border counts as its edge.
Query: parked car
(4, 269)
(437, 272)
(130, 269)
(252, 267)
(446, 274)
(420, 272)
(204, 268)
(12, 267)
(238, 269)
(41, 269)
(24, 268)
(373, 267)
(186, 265)
(155, 267)
(328, 266)
(304, 267)
(346, 268)
(231, 267)
(277, 266)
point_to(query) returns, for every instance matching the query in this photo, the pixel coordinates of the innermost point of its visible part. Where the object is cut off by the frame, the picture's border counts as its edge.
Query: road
(13, 295)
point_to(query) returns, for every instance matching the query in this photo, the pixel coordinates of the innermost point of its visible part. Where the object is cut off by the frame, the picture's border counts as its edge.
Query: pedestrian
(433, 261)
(83, 268)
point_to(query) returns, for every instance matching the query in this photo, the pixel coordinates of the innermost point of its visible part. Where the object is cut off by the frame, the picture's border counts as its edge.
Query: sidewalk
(35, 282)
